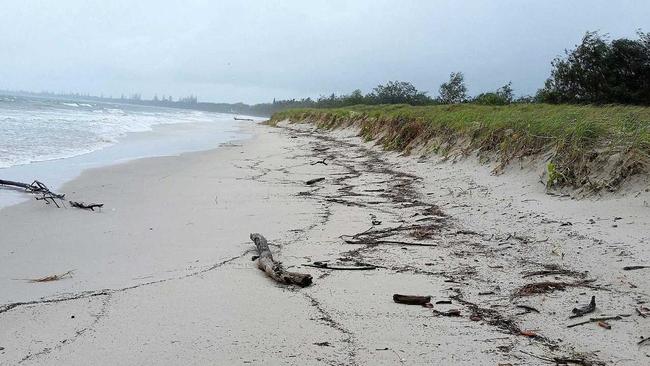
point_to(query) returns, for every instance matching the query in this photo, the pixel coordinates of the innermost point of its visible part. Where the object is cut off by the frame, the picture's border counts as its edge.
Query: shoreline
(161, 140)
(163, 272)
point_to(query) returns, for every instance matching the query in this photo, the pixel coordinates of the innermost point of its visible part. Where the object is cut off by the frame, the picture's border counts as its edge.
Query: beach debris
(441, 302)
(600, 319)
(643, 311)
(553, 272)
(583, 310)
(548, 286)
(319, 162)
(484, 293)
(603, 324)
(528, 309)
(86, 206)
(243, 119)
(314, 181)
(37, 188)
(55, 277)
(449, 313)
(632, 268)
(323, 344)
(411, 299)
(325, 265)
(528, 333)
(274, 269)
(643, 340)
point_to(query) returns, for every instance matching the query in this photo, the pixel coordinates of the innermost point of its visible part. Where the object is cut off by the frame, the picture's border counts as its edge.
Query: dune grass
(579, 141)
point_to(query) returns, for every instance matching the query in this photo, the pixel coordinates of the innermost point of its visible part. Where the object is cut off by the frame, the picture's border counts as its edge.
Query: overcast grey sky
(253, 51)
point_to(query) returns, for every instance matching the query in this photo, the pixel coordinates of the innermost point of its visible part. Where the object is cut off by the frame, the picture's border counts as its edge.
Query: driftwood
(43, 193)
(243, 119)
(86, 206)
(274, 269)
(315, 180)
(411, 299)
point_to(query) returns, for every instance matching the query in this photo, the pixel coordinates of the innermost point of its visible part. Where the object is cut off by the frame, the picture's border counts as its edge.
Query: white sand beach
(162, 274)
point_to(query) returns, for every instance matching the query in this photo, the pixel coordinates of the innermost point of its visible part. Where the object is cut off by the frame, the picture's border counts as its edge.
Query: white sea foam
(33, 130)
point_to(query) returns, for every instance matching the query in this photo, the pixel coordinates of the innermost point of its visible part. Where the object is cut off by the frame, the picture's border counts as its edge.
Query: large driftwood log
(274, 269)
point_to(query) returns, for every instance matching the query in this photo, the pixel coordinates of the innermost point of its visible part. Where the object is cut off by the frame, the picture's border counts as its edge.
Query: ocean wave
(45, 131)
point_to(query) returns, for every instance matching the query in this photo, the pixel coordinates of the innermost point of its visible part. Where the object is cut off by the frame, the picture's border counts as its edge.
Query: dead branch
(37, 188)
(274, 269)
(325, 265)
(394, 242)
(86, 206)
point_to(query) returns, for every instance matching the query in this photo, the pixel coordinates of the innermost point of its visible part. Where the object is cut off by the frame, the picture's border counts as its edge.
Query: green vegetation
(594, 146)
(599, 71)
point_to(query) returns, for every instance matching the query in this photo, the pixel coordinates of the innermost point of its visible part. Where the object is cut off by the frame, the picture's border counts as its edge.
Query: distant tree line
(597, 71)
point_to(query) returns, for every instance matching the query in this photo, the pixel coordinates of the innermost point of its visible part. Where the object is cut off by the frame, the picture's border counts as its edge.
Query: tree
(454, 91)
(395, 92)
(599, 71)
(502, 96)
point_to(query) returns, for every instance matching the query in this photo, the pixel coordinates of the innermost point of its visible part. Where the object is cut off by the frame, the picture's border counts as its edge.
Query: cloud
(257, 50)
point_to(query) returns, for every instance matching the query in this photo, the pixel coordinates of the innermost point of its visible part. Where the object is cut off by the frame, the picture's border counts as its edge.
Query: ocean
(53, 140)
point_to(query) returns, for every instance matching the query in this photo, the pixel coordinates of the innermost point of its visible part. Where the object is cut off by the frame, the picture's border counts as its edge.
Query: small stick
(593, 320)
(315, 180)
(632, 268)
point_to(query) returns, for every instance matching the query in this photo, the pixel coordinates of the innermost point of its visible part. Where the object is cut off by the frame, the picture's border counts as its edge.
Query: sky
(254, 51)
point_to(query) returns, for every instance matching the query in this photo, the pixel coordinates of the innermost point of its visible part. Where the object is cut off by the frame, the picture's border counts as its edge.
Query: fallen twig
(395, 242)
(315, 180)
(55, 277)
(319, 162)
(86, 206)
(325, 265)
(528, 308)
(632, 268)
(593, 320)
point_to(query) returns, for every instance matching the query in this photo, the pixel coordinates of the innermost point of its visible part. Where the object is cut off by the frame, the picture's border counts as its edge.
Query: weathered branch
(86, 206)
(274, 269)
(36, 188)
